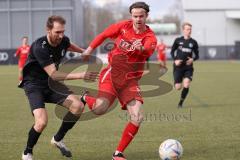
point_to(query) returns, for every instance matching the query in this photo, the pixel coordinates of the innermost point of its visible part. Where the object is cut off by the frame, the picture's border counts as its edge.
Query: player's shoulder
(193, 40)
(179, 38)
(124, 23)
(66, 39)
(150, 33)
(40, 42)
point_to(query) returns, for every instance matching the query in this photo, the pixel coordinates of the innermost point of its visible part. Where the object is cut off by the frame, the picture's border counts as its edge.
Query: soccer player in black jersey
(182, 53)
(40, 69)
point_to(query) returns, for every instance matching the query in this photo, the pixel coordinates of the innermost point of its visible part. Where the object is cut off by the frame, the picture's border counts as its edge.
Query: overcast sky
(157, 7)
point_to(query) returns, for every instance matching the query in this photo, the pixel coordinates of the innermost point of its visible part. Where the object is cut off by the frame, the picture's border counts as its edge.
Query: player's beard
(55, 41)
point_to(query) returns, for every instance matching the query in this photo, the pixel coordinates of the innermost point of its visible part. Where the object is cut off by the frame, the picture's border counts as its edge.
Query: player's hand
(138, 45)
(89, 76)
(85, 56)
(178, 62)
(189, 61)
(87, 53)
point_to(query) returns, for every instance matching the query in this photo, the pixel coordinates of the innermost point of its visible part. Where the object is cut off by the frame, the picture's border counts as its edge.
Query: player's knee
(40, 125)
(136, 118)
(77, 107)
(100, 107)
(186, 84)
(178, 87)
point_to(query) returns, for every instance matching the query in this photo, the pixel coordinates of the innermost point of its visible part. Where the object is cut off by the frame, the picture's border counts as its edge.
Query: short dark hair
(142, 5)
(53, 19)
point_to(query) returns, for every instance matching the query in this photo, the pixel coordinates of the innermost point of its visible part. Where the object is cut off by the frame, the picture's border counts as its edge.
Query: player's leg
(130, 99)
(20, 76)
(36, 101)
(186, 84)
(20, 68)
(75, 107)
(106, 94)
(178, 77)
(185, 90)
(131, 128)
(162, 65)
(165, 62)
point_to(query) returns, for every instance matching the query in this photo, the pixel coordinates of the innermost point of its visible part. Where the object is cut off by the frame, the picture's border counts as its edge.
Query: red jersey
(125, 61)
(23, 52)
(161, 48)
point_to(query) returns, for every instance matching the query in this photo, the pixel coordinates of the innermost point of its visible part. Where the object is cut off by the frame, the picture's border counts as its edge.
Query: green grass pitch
(208, 126)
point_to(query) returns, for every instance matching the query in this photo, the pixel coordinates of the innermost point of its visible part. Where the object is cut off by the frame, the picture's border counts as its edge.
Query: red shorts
(125, 94)
(161, 57)
(21, 63)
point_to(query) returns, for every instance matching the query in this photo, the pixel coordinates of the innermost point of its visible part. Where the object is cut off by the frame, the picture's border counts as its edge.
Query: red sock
(20, 78)
(127, 136)
(90, 101)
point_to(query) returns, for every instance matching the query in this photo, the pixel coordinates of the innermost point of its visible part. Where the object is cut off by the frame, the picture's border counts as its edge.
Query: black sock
(184, 94)
(33, 136)
(83, 100)
(68, 122)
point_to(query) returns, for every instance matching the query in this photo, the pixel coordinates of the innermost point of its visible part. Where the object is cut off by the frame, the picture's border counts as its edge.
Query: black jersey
(184, 48)
(41, 55)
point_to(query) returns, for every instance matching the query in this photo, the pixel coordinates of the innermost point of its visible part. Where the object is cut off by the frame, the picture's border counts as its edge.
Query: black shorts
(39, 95)
(180, 73)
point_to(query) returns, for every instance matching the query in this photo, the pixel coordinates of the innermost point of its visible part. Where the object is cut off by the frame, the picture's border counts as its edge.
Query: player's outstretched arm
(60, 76)
(110, 32)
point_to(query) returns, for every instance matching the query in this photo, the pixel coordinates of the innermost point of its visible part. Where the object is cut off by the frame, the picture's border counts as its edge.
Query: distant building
(216, 26)
(28, 17)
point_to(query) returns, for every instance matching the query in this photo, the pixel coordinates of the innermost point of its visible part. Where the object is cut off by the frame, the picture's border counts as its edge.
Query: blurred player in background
(161, 54)
(182, 52)
(22, 54)
(134, 43)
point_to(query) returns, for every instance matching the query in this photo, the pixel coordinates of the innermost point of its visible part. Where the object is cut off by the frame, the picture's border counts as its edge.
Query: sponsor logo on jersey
(128, 46)
(43, 44)
(188, 50)
(63, 52)
(190, 45)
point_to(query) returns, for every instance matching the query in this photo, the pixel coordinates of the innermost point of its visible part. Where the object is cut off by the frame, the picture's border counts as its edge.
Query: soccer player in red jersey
(161, 50)
(134, 43)
(22, 54)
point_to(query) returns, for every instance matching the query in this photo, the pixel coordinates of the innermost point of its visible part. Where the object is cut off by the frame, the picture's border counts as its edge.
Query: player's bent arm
(60, 76)
(17, 52)
(196, 52)
(149, 46)
(174, 48)
(74, 48)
